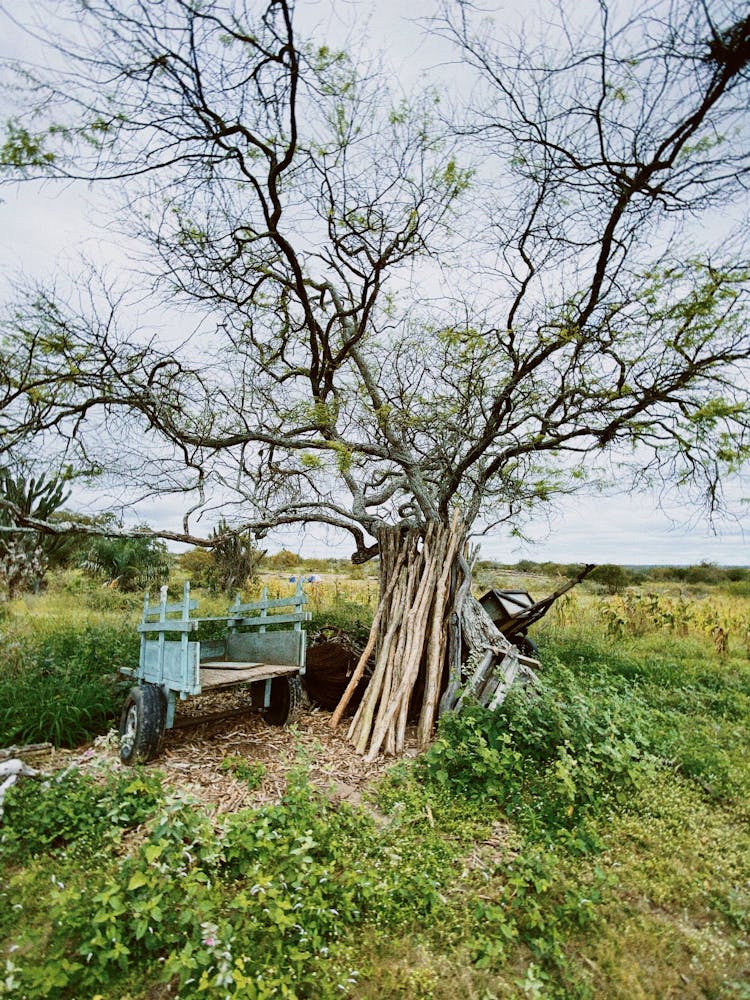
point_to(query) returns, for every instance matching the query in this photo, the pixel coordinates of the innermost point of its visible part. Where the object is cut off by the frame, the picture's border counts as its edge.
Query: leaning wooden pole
(438, 639)
(359, 670)
(409, 637)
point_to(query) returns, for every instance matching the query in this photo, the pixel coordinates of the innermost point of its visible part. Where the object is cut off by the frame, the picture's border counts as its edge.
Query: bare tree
(286, 192)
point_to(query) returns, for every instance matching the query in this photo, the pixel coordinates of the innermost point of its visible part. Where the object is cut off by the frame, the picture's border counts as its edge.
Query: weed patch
(552, 761)
(71, 814)
(61, 684)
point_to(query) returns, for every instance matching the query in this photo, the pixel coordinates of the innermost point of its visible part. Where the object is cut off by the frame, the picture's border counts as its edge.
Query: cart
(514, 611)
(262, 644)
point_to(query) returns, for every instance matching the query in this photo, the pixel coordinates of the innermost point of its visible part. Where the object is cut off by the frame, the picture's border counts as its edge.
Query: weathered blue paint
(171, 659)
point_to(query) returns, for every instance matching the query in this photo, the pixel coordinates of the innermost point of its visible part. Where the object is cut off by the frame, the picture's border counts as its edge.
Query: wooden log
(434, 559)
(383, 603)
(438, 633)
(508, 674)
(362, 722)
(455, 667)
(361, 726)
(393, 664)
(31, 749)
(415, 625)
(476, 678)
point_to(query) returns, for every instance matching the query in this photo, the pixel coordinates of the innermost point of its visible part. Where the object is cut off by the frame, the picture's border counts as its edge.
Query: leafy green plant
(61, 685)
(680, 695)
(250, 771)
(72, 813)
(551, 759)
(536, 905)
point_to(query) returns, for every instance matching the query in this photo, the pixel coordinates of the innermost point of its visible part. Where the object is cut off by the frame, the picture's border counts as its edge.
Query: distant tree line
(614, 577)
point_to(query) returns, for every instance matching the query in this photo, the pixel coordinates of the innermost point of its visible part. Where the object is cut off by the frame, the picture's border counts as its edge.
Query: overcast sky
(43, 229)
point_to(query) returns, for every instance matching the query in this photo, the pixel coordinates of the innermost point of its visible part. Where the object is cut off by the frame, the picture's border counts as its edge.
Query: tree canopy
(420, 312)
(407, 308)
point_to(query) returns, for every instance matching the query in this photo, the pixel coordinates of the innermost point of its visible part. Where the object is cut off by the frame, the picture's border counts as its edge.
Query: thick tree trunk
(410, 637)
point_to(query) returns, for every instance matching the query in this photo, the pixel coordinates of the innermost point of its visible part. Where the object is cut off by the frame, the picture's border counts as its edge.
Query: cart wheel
(142, 723)
(527, 647)
(286, 700)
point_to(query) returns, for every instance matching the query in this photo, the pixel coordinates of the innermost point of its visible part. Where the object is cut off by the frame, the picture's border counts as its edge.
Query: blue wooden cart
(262, 644)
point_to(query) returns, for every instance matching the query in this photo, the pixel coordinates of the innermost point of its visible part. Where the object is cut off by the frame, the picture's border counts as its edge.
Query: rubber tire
(286, 700)
(143, 719)
(527, 647)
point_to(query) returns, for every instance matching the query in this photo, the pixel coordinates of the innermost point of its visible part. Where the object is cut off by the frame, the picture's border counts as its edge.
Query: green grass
(590, 841)
(60, 683)
(694, 705)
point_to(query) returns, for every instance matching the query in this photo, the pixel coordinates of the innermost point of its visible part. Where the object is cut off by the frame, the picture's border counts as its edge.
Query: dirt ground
(218, 726)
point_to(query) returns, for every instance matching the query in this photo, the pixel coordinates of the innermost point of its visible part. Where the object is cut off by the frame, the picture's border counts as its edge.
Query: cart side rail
(248, 637)
(169, 657)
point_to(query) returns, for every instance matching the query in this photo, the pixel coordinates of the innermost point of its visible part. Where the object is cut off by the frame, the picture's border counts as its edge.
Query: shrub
(21, 568)
(73, 814)
(198, 566)
(61, 685)
(282, 560)
(612, 577)
(552, 759)
(235, 559)
(25, 556)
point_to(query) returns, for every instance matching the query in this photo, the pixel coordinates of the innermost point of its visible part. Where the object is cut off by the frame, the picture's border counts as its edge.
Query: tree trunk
(415, 616)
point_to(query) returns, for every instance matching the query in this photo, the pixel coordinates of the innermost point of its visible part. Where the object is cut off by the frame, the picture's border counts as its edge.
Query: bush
(198, 566)
(62, 684)
(72, 814)
(282, 560)
(612, 577)
(235, 557)
(230, 565)
(22, 568)
(551, 760)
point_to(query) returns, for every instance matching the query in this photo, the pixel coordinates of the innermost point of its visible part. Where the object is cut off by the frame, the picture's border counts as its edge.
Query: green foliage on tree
(612, 577)
(230, 565)
(235, 558)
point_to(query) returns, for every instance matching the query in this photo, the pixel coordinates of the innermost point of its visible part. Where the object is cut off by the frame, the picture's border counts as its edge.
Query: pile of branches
(427, 632)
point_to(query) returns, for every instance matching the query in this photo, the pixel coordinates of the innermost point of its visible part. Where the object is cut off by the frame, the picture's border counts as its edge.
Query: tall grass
(60, 683)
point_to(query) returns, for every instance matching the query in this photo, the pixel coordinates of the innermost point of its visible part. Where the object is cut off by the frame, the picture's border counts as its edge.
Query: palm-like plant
(129, 563)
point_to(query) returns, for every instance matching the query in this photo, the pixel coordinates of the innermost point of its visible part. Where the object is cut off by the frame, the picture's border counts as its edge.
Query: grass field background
(590, 841)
